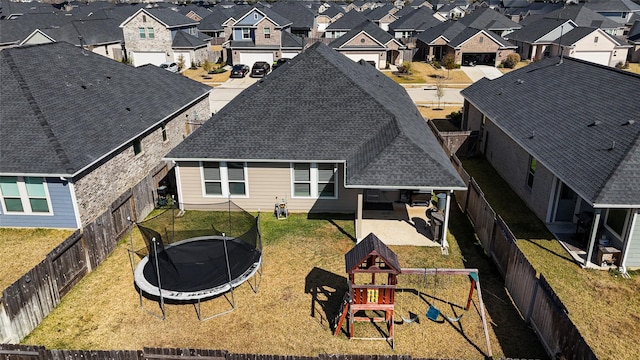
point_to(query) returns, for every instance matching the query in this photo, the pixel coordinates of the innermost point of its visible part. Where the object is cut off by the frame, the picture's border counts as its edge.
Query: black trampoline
(192, 265)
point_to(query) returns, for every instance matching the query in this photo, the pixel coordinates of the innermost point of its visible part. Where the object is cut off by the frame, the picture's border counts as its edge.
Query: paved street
(421, 94)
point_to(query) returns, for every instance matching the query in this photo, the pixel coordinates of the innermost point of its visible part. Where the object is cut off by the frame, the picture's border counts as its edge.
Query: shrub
(621, 65)
(405, 68)
(181, 62)
(436, 64)
(207, 66)
(511, 61)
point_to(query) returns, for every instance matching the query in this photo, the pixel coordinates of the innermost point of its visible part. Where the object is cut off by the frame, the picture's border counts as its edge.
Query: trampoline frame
(143, 285)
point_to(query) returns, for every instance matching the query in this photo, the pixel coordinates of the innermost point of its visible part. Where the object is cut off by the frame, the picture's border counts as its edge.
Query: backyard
(302, 285)
(604, 306)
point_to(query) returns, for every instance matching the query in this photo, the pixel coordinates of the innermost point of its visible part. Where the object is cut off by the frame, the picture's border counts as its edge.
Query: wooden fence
(531, 293)
(26, 302)
(21, 352)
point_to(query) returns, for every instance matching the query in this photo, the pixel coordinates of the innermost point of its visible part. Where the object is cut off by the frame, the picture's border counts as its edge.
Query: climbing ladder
(342, 314)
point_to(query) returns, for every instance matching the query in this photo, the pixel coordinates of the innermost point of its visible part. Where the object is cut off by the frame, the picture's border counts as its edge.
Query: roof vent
(519, 81)
(83, 86)
(128, 109)
(629, 122)
(613, 145)
(595, 123)
(533, 134)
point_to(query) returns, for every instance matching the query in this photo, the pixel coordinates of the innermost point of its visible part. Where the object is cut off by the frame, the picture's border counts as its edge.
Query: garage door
(289, 55)
(250, 58)
(140, 58)
(366, 57)
(598, 57)
(479, 59)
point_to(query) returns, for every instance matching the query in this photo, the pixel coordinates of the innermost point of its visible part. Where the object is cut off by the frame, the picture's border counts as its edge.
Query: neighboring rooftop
(589, 139)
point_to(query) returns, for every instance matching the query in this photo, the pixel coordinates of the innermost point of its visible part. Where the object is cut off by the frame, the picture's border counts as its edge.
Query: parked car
(279, 62)
(239, 71)
(171, 66)
(260, 69)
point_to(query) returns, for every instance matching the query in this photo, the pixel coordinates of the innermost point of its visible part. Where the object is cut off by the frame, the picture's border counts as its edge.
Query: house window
(267, 33)
(314, 180)
(616, 219)
(212, 178)
(533, 163)
(255, 16)
(144, 18)
(142, 33)
(246, 34)
(163, 130)
(224, 179)
(595, 39)
(137, 146)
(481, 39)
(150, 33)
(26, 195)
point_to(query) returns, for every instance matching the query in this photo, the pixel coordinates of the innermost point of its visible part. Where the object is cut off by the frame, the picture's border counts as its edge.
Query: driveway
(477, 72)
(221, 95)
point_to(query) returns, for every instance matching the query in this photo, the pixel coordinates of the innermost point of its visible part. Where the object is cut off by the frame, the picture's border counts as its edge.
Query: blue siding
(633, 254)
(61, 202)
(250, 19)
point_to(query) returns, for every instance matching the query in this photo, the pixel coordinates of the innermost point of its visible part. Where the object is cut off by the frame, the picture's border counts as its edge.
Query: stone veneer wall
(98, 189)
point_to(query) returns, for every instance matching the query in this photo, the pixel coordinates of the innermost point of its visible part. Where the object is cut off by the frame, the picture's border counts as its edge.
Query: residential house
(213, 25)
(485, 18)
(344, 24)
(262, 34)
(14, 31)
(582, 16)
(450, 11)
(470, 46)
(80, 131)
(536, 40)
(410, 25)
(382, 15)
(264, 145)
(101, 36)
(620, 11)
(574, 160)
(301, 17)
(327, 17)
(593, 45)
(370, 43)
(157, 35)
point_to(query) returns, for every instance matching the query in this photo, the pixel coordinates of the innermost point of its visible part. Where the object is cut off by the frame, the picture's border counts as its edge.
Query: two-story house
(157, 35)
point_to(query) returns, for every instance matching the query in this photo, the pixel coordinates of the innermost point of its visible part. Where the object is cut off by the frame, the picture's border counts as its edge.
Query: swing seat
(433, 314)
(412, 318)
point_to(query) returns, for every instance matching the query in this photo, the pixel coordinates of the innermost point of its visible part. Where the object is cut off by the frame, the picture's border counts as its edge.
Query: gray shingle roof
(634, 32)
(448, 29)
(416, 19)
(183, 40)
(534, 31)
(581, 15)
(371, 244)
(63, 109)
(213, 21)
(368, 27)
(379, 12)
(469, 32)
(93, 32)
(322, 106)
(347, 22)
(300, 16)
(485, 18)
(558, 103)
(16, 30)
(171, 18)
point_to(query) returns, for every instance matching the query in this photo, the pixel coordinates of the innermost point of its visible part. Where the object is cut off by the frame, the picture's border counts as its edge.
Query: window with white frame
(246, 33)
(224, 179)
(142, 33)
(150, 33)
(616, 221)
(267, 33)
(313, 180)
(26, 195)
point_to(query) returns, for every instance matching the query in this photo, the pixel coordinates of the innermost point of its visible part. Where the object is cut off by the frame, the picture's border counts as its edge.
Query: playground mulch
(302, 286)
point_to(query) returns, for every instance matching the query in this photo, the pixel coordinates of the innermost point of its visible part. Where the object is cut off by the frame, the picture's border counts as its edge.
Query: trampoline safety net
(191, 250)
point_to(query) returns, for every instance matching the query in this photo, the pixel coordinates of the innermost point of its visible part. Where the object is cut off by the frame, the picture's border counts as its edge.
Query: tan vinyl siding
(265, 182)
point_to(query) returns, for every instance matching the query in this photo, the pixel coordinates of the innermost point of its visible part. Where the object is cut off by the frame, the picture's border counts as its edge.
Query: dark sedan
(260, 69)
(239, 71)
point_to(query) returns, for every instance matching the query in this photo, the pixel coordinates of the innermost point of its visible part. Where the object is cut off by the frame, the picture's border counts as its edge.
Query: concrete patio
(404, 225)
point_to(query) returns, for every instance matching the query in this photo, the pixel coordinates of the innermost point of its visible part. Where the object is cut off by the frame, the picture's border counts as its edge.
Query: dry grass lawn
(302, 285)
(519, 65)
(24, 249)
(634, 67)
(423, 73)
(604, 306)
(428, 112)
(210, 79)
